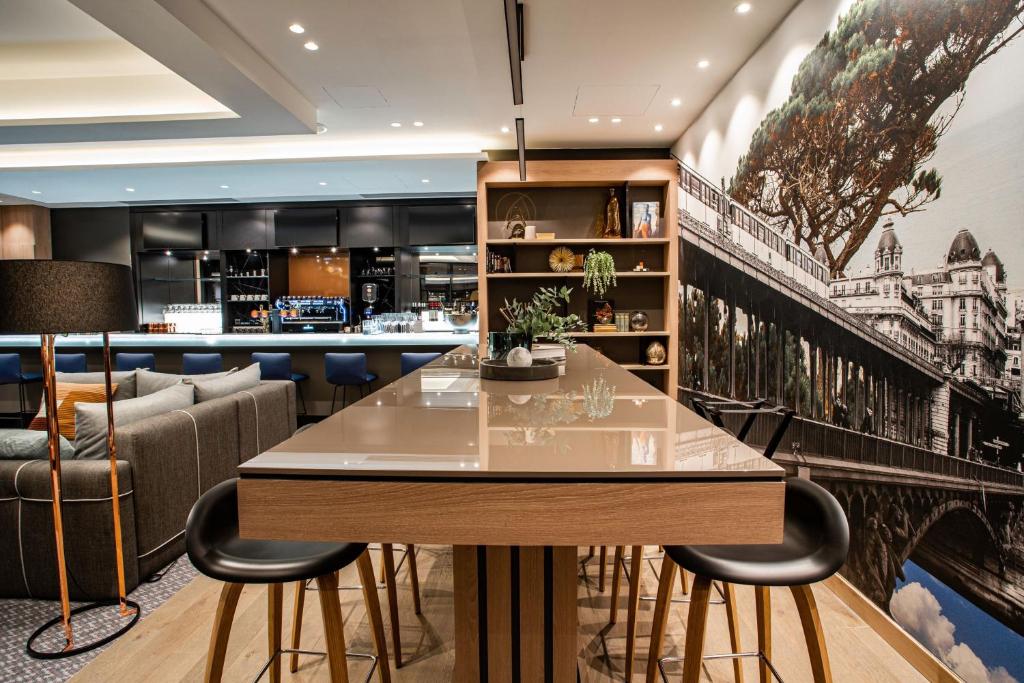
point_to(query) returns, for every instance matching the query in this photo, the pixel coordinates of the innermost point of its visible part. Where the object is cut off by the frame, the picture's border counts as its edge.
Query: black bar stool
(216, 549)
(816, 539)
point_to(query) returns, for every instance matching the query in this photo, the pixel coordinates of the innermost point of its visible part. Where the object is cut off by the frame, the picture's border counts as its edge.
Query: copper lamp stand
(127, 608)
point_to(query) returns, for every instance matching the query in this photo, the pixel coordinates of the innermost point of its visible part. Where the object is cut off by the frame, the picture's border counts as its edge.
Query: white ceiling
(442, 62)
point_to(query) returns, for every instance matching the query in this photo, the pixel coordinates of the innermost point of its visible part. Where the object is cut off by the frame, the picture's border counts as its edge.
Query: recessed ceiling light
(658, 127)
(396, 124)
(296, 28)
(129, 189)
(676, 102)
(418, 124)
(225, 187)
(616, 120)
(703, 64)
(167, 253)
(321, 183)
(334, 250)
(425, 180)
(593, 119)
(295, 250)
(311, 46)
(36, 192)
(504, 129)
(321, 129)
(743, 8)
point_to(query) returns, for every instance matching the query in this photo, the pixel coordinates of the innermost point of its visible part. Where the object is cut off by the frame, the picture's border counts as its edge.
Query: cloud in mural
(918, 611)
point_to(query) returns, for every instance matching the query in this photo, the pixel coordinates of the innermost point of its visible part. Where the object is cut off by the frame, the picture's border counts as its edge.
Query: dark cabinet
(244, 229)
(173, 230)
(368, 226)
(306, 227)
(438, 224)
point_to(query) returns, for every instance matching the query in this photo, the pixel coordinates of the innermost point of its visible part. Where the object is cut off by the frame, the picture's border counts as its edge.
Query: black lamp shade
(58, 297)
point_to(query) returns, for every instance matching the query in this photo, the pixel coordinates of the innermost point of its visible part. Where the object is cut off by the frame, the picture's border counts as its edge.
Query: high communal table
(515, 476)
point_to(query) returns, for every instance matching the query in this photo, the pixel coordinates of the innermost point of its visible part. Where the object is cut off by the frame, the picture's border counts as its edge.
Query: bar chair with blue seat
(816, 540)
(201, 363)
(70, 362)
(414, 361)
(10, 373)
(278, 366)
(347, 370)
(215, 548)
(135, 361)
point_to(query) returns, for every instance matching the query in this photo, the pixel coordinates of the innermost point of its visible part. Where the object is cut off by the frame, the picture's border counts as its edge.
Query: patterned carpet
(19, 618)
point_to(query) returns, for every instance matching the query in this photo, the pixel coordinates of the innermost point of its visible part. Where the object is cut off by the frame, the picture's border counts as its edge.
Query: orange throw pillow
(67, 396)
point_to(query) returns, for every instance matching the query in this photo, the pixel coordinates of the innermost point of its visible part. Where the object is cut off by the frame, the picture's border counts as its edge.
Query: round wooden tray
(542, 368)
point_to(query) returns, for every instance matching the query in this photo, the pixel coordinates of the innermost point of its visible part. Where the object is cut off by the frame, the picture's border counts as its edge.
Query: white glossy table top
(596, 422)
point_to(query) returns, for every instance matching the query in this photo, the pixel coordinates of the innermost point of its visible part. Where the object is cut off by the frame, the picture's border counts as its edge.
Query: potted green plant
(598, 278)
(538, 317)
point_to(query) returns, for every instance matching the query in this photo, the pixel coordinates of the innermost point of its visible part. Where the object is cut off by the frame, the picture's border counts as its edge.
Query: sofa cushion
(68, 396)
(91, 419)
(150, 382)
(125, 381)
(29, 444)
(234, 382)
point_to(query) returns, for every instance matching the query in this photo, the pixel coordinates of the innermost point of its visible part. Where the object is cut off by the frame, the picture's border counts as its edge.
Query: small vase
(500, 343)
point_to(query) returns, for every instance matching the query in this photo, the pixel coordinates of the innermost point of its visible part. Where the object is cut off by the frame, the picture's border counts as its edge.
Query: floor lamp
(59, 297)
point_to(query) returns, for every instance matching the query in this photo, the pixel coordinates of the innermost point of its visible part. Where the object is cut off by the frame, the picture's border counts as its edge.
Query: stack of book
(605, 328)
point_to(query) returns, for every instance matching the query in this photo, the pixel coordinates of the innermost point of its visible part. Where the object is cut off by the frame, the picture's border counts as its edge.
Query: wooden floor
(170, 643)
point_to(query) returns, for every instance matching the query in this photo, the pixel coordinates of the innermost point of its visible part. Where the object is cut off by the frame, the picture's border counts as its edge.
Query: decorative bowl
(460, 321)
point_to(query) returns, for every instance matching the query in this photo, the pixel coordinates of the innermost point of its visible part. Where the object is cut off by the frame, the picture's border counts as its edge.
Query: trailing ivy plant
(537, 317)
(599, 272)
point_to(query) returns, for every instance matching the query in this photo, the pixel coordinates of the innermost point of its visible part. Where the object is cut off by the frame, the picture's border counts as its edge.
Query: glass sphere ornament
(638, 321)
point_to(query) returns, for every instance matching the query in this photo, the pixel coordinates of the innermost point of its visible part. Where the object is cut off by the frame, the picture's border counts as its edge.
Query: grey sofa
(164, 464)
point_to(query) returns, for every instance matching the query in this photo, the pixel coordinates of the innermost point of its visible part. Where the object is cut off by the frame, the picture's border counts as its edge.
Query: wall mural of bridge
(809, 279)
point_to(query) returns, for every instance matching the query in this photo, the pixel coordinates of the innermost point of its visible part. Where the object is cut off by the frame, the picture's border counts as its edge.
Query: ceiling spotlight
(225, 187)
(703, 64)
(311, 46)
(376, 248)
(658, 127)
(167, 253)
(296, 28)
(504, 129)
(295, 250)
(425, 180)
(616, 120)
(593, 119)
(418, 124)
(334, 250)
(129, 189)
(321, 183)
(676, 102)
(36, 192)
(206, 253)
(743, 8)
(396, 124)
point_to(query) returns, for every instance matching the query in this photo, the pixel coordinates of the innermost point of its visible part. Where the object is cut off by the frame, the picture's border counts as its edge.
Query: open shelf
(579, 273)
(641, 366)
(625, 241)
(618, 334)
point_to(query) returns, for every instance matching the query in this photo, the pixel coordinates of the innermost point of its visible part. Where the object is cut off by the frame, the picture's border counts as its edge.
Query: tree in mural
(864, 117)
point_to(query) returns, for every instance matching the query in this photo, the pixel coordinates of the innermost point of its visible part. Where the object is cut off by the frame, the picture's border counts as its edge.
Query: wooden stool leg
(661, 609)
(383, 569)
(696, 625)
(763, 606)
(601, 562)
(275, 602)
(734, 629)
(684, 582)
(635, 569)
(389, 580)
(414, 577)
(221, 631)
(813, 634)
(613, 613)
(300, 601)
(334, 631)
(367, 578)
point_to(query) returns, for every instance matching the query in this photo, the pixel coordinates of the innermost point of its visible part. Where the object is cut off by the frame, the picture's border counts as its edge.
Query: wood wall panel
(25, 232)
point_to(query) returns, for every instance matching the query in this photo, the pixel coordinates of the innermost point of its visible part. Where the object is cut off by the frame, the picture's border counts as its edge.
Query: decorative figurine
(612, 220)
(656, 353)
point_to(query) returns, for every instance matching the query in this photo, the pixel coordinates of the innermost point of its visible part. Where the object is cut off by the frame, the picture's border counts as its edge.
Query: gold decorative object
(561, 260)
(517, 209)
(656, 353)
(612, 220)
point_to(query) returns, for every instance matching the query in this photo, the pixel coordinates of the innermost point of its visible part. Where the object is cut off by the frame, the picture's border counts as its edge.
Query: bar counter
(515, 475)
(382, 354)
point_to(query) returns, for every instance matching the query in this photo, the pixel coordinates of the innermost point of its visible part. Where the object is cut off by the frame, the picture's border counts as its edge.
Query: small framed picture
(645, 220)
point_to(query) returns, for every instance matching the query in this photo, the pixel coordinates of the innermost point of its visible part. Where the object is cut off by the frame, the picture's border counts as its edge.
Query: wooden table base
(515, 613)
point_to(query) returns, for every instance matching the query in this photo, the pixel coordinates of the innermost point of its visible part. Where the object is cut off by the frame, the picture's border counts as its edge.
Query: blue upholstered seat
(135, 361)
(201, 363)
(415, 361)
(71, 362)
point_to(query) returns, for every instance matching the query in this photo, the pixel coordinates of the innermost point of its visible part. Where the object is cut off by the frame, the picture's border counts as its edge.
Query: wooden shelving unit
(568, 196)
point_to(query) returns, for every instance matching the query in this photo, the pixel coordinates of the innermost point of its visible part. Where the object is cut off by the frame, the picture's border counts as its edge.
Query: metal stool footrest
(289, 651)
(726, 655)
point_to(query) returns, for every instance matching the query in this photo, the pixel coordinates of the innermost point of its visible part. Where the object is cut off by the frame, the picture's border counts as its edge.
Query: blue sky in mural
(971, 642)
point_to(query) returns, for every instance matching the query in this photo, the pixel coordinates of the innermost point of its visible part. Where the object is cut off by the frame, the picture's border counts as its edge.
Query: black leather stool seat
(815, 542)
(216, 550)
